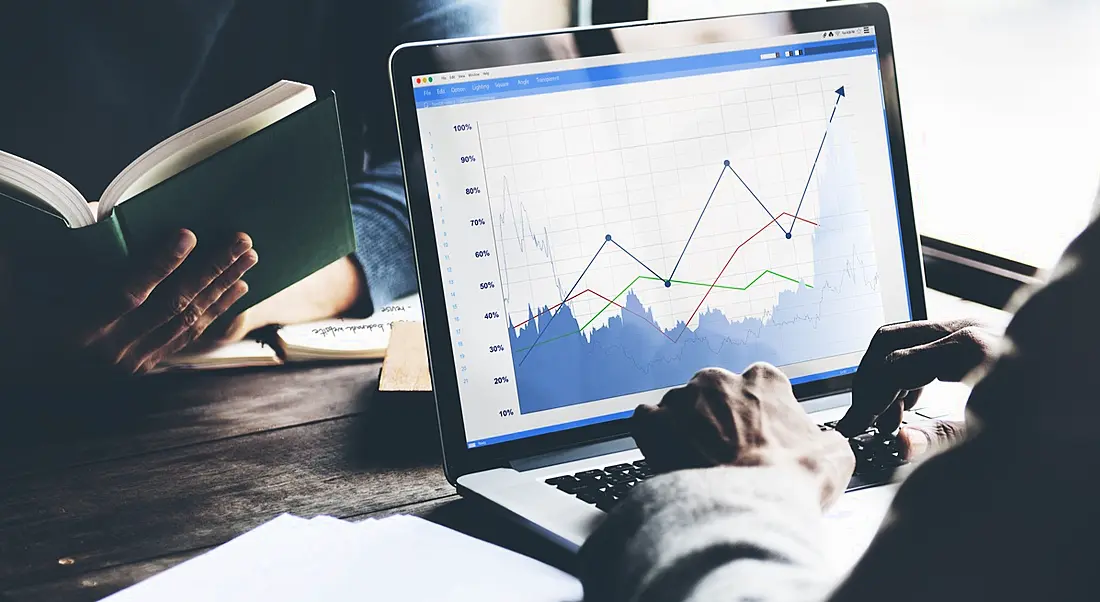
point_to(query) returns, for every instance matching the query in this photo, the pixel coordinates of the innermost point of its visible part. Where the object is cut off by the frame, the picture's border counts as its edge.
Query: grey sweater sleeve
(1009, 514)
(711, 534)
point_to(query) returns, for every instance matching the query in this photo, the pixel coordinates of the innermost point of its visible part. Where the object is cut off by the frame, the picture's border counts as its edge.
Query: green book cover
(285, 185)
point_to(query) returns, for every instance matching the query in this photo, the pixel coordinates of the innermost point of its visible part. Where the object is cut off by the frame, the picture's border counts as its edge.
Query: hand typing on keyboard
(752, 420)
(722, 418)
(878, 455)
(900, 361)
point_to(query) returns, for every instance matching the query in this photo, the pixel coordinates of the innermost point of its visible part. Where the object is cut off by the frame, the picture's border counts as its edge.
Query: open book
(340, 339)
(271, 165)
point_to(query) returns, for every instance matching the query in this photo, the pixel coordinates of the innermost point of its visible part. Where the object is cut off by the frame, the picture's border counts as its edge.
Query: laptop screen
(607, 226)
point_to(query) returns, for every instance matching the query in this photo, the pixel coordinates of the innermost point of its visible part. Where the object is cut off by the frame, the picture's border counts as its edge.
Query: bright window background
(521, 16)
(1001, 107)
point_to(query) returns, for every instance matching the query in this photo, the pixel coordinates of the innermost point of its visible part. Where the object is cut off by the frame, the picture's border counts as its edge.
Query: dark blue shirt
(87, 87)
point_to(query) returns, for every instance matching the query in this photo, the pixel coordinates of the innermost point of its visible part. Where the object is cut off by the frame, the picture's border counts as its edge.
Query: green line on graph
(650, 278)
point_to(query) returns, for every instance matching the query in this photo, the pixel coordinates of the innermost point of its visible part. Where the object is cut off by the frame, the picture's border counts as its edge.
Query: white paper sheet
(398, 558)
(852, 522)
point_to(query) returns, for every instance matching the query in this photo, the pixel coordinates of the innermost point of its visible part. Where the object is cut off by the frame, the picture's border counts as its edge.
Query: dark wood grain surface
(97, 494)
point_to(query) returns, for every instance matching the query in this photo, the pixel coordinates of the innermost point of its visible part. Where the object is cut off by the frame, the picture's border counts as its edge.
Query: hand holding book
(125, 323)
(272, 166)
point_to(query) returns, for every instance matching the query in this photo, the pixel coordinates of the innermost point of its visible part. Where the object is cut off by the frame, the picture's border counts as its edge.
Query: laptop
(599, 213)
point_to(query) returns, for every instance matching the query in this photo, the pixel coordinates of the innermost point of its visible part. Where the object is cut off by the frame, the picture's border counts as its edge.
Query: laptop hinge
(572, 454)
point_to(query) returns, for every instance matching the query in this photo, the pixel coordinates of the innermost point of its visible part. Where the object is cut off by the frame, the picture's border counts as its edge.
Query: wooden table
(96, 495)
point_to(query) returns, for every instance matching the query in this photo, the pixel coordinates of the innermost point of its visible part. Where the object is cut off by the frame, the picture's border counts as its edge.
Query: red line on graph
(705, 295)
(547, 310)
(550, 309)
(728, 262)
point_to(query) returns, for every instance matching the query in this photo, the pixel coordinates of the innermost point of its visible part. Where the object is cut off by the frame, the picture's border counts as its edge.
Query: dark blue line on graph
(569, 294)
(699, 221)
(839, 94)
(668, 281)
(640, 262)
(765, 207)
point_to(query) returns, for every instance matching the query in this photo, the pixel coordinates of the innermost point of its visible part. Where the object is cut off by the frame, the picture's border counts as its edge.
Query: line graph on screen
(621, 284)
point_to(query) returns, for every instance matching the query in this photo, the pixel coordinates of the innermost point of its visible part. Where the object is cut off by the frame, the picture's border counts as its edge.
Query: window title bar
(626, 73)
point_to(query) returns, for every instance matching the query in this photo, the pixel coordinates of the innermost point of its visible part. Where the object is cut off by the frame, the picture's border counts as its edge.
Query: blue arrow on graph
(840, 93)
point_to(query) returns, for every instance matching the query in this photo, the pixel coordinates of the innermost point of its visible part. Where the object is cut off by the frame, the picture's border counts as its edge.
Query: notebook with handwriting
(346, 339)
(338, 339)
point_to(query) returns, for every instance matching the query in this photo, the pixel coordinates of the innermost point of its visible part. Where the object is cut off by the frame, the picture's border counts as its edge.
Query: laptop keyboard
(603, 487)
(877, 458)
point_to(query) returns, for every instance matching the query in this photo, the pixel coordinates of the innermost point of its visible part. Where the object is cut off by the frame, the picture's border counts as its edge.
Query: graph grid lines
(727, 165)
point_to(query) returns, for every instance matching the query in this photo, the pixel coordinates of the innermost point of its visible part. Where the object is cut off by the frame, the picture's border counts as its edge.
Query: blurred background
(1001, 109)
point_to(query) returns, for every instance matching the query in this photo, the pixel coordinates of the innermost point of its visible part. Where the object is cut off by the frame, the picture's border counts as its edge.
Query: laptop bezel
(410, 60)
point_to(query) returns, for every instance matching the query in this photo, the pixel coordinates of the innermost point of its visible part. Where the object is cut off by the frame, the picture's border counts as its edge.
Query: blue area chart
(558, 365)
